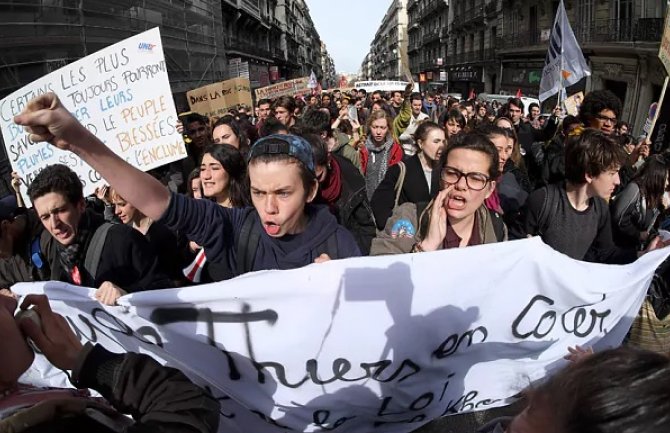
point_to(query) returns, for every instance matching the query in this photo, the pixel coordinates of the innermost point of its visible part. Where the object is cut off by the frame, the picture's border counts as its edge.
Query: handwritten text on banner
(378, 344)
(120, 93)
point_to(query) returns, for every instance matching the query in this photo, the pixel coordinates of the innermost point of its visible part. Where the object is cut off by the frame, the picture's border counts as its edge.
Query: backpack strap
(329, 246)
(247, 243)
(498, 225)
(549, 207)
(399, 183)
(94, 250)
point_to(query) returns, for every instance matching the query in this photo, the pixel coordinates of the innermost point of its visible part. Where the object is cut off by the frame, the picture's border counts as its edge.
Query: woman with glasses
(457, 217)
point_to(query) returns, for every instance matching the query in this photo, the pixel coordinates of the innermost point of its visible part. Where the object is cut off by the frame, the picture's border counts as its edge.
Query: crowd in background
(301, 180)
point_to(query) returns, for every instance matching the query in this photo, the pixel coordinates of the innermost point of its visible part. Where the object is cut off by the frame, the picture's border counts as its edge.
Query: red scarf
(332, 187)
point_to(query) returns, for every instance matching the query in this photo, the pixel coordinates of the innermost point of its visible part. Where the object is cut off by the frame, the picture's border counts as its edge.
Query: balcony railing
(469, 16)
(599, 31)
(431, 35)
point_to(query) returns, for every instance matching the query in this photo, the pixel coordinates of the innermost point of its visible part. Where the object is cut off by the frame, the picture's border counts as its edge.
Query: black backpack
(249, 238)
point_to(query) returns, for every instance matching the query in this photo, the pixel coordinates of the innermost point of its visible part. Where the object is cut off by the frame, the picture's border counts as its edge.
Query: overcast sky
(347, 27)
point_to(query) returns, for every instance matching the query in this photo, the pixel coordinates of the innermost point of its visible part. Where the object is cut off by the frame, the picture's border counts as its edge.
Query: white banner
(377, 344)
(120, 93)
(384, 86)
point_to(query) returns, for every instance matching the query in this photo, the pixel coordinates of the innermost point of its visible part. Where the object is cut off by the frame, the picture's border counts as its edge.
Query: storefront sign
(466, 73)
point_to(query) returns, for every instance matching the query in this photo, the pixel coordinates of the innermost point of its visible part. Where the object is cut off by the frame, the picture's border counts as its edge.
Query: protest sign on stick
(660, 135)
(120, 93)
(214, 100)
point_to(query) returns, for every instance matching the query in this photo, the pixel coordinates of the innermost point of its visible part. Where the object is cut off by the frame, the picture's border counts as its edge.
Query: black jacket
(160, 399)
(414, 189)
(127, 260)
(631, 216)
(20, 268)
(218, 230)
(352, 208)
(527, 136)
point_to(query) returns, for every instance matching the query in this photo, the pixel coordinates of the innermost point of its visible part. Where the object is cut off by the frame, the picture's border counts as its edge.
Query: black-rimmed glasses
(474, 180)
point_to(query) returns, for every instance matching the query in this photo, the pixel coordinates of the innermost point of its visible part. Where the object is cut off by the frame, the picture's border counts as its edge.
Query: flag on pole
(565, 64)
(312, 83)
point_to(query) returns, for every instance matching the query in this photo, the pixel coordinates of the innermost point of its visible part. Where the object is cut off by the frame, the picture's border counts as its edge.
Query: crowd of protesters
(299, 180)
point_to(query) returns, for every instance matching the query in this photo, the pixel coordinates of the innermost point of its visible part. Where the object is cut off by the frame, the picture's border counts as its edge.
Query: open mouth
(271, 228)
(456, 202)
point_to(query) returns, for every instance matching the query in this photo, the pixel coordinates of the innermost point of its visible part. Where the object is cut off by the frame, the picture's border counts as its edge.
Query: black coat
(352, 208)
(527, 136)
(159, 398)
(127, 260)
(414, 189)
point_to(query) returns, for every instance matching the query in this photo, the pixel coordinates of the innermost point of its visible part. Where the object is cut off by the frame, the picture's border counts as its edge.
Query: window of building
(585, 12)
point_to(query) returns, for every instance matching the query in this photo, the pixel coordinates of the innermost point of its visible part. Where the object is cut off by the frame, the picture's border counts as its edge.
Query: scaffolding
(40, 36)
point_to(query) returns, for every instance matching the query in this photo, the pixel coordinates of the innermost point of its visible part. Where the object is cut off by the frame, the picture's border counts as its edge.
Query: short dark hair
(315, 121)
(60, 179)
(477, 142)
(263, 101)
(533, 105)
(195, 117)
(287, 102)
(454, 114)
(271, 126)
(416, 96)
(591, 153)
(232, 161)
(378, 92)
(617, 390)
(597, 101)
(393, 93)
(516, 102)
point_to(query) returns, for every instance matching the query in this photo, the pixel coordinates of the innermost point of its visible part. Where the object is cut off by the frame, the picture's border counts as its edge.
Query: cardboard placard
(216, 99)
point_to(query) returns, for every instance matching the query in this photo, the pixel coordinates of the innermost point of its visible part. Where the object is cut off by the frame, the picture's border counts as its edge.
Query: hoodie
(217, 229)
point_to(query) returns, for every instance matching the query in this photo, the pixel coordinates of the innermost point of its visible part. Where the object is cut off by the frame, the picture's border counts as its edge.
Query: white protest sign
(120, 93)
(384, 86)
(375, 344)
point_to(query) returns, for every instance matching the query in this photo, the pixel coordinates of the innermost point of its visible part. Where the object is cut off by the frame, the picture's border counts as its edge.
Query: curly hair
(597, 101)
(57, 178)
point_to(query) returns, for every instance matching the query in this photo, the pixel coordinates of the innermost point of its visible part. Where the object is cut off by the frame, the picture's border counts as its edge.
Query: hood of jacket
(301, 250)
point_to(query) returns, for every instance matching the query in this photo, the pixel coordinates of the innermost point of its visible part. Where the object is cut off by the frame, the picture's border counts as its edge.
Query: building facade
(329, 79)
(38, 37)
(270, 40)
(472, 65)
(620, 40)
(387, 58)
(427, 30)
